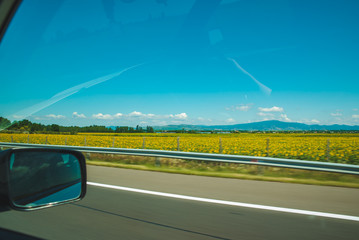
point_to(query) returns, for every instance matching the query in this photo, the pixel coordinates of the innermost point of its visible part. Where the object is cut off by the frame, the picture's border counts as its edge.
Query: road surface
(108, 213)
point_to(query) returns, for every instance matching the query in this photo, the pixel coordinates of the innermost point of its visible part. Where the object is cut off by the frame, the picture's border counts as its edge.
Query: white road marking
(231, 203)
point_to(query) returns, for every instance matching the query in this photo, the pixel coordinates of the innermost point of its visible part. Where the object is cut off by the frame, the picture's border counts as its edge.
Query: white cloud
(337, 114)
(181, 116)
(102, 116)
(118, 115)
(355, 109)
(284, 117)
(314, 121)
(355, 116)
(272, 109)
(107, 116)
(135, 114)
(262, 114)
(241, 107)
(55, 116)
(139, 114)
(230, 120)
(77, 115)
(273, 113)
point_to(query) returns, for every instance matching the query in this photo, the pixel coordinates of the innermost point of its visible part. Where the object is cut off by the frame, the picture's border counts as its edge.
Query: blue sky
(156, 62)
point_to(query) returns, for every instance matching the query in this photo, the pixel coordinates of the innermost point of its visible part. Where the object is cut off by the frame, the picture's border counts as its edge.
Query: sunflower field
(330, 147)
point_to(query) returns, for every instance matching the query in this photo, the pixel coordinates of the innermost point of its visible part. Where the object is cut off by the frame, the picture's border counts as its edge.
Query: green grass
(224, 170)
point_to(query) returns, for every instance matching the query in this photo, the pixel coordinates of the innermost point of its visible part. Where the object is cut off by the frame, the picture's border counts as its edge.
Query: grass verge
(224, 170)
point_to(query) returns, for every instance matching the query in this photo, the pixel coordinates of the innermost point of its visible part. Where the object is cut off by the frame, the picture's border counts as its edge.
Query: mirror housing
(35, 178)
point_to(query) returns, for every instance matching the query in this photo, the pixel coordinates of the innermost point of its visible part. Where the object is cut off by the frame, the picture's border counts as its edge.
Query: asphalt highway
(108, 213)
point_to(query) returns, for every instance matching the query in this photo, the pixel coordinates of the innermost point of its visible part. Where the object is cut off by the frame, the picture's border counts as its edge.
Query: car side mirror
(34, 178)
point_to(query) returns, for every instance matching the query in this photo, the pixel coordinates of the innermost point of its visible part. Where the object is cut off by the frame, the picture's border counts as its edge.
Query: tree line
(28, 126)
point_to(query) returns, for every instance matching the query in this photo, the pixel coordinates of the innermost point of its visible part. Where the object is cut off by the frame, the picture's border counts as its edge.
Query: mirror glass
(40, 178)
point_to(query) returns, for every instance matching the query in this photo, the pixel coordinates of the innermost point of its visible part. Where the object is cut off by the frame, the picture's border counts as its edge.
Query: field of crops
(332, 147)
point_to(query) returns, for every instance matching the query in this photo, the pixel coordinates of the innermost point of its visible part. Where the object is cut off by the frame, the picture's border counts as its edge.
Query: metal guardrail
(262, 161)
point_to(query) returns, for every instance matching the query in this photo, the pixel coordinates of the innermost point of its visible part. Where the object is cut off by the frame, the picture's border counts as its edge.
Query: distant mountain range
(272, 125)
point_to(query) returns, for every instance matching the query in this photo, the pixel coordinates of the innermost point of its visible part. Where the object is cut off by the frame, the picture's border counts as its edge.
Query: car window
(260, 79)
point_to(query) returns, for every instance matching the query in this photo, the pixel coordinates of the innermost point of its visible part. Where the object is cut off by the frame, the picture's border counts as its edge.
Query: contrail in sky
(264, 88)
(68, 92)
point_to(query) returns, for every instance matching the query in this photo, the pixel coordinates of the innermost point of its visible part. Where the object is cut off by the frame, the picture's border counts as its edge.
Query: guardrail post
(328, 150)
(220, 145)
(158, 162)
(65, 141)
(178, 144)
(28, 139)
(267, 148)
(144, 143)
(260, 169)
(85, 141)
(46, 140)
